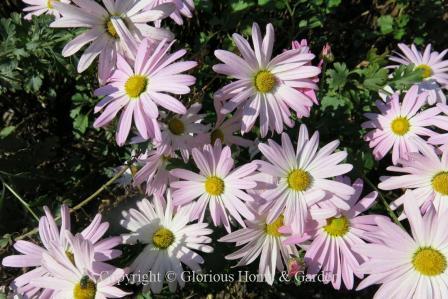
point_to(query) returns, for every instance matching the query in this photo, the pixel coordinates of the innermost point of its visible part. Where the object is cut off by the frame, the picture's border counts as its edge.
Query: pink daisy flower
(400, 126)
(139, 89)
(168, 238)
(39, 7)
(50, 236)
(441, 139)
(180, 132)
(435, 70)
(184, 8)
(408, 266)
(154, 172)
(79, 277)
(265, 87)
(264, 240)
(333, 238)
(217, 185)
(426, 174)
(308, 92)
(112, 29)
(303, 177)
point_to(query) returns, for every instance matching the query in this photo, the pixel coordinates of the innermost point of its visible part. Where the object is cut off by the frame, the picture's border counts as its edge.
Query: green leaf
(405, 76)
(375, 77)
(386, 24)
(6, 131)
(337, 77)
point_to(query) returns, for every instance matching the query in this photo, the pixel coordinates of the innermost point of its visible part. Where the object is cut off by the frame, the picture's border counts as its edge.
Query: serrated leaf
(405, 76)
(386, 24)
(375, 77)
(337, 77)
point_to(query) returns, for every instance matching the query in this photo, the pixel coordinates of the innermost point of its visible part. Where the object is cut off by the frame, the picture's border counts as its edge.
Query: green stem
(22, 201)
(85, 201)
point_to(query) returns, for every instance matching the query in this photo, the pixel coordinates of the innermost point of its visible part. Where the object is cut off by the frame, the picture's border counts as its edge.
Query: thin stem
(85, 201)
(291, 12)
(22, 201)
(384, 201)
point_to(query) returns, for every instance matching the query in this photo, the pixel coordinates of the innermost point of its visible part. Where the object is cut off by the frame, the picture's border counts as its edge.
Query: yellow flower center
(299, 180)
(440, 183)
(176, 126)
(50, 3)
(217, 134)
(427, 70)
(136, 85)
(337, 226)
(163, 238)
(84, 289)
(264, 81)
(429, 261)
(272, 228)
(70, 256)
(214, 185)
(400, 126)
(111, 29)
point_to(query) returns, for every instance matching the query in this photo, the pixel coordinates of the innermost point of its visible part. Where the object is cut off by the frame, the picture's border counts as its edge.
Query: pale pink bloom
(39, 7)
(180, 132)
(308, 92)
(435, 70)
(262, 240)
(333, 238)
(426, 174)
(441, 139)
(113, 29)
(296, 266)
(50, 235)
(154, 172)
(327, 54)
(408, 266)
(400, 126)
(168, 239)
(265, 87)
(81, 276)
(217, 185)
(138, 89)
(184, 8)
(303, 177)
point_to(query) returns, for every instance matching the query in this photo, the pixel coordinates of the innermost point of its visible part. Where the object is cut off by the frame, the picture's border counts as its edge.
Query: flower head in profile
(265, 88)
(441, 139)
(154, 172)
(261, 240)
(426, 174)
(303, 177)
(184, 8)
(113, 29)
(217, 185)
(40, 7)
(79, 277)
(408, 266)
(51, 236)
(334, 235)
(169, 240)
(137, 90)
(182, 132)
(400, 126)
(434, 70)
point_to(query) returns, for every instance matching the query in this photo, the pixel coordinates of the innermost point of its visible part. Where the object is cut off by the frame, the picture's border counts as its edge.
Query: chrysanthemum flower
(400, 126)
(79, 277)
(441, 139)
(139, 89)
(217, 185)
(333, 238)
(112, 29)
(265, 87)
(180, 132)
(261, 239)
(409, 266)
(154, 172)
(168, 238)
(426, 174)
(39, 7)
(50, 235)
(435, 70)
(302, 177)
(183, 8)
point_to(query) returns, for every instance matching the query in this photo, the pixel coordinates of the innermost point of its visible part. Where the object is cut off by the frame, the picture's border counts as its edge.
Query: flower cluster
(293, 203)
